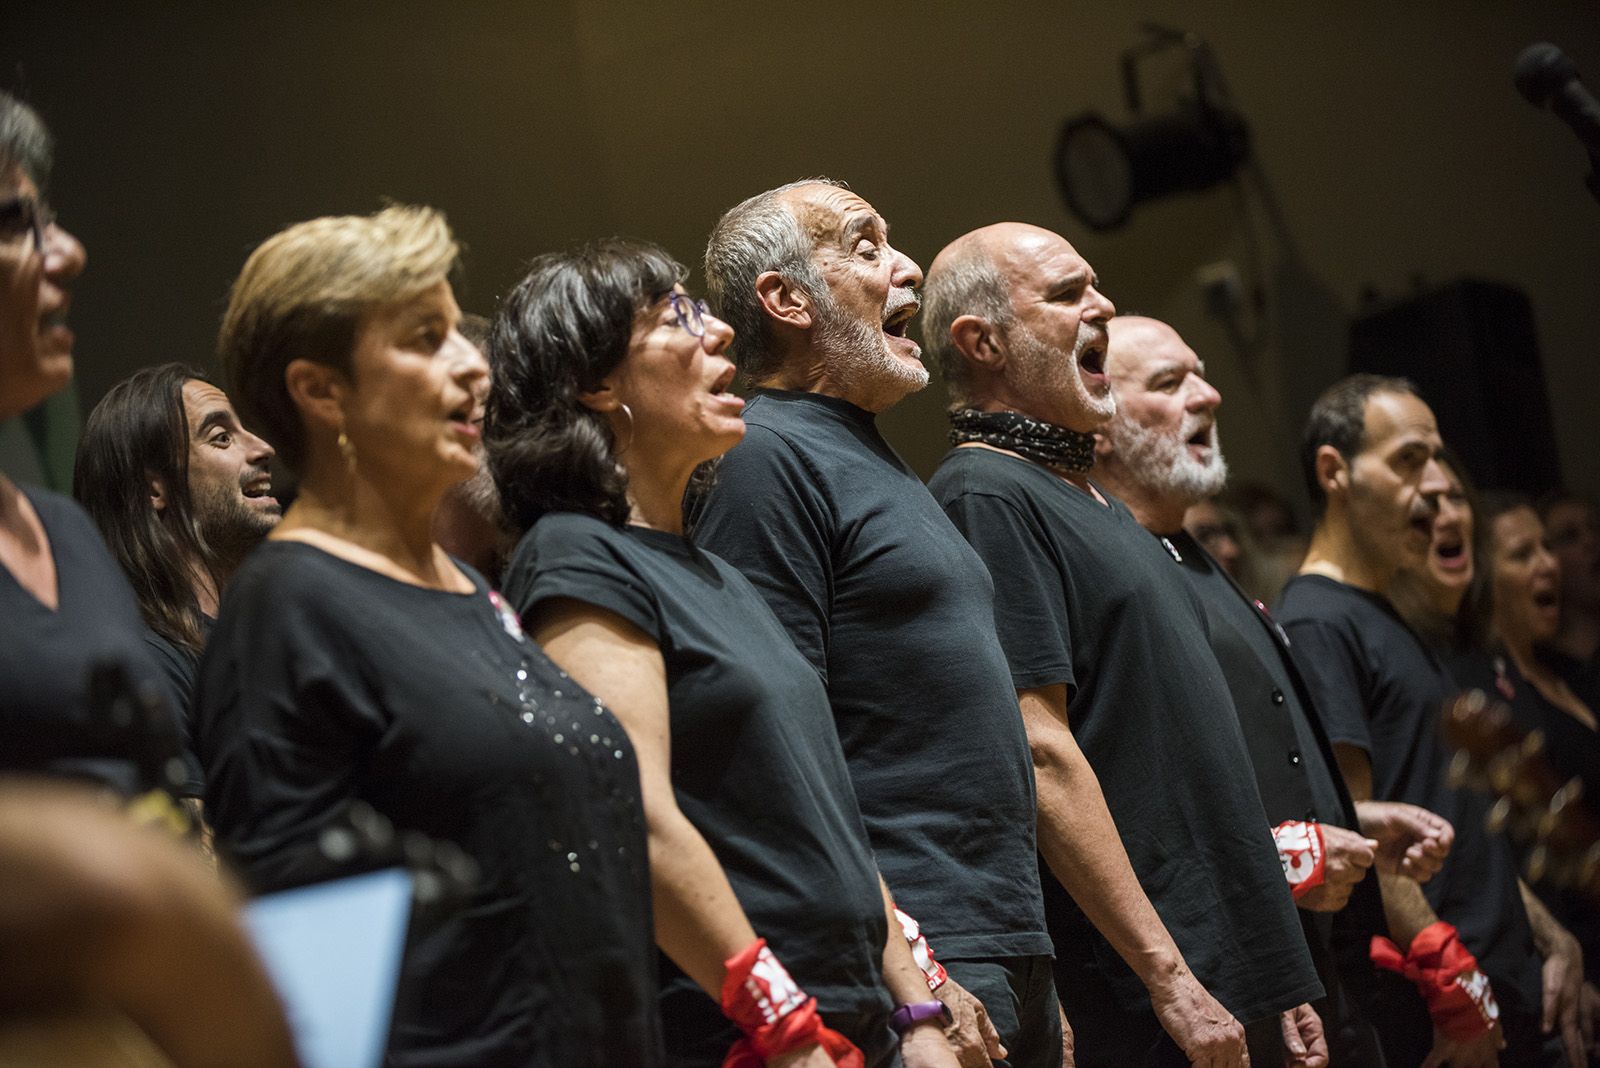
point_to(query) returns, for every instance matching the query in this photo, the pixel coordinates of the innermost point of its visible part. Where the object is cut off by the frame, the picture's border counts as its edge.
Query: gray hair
(755, 236)
(24, 141)
(968, 283)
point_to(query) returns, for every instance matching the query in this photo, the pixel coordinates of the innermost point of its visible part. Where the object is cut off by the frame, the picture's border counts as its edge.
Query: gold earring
(629, 413)
(347, 450)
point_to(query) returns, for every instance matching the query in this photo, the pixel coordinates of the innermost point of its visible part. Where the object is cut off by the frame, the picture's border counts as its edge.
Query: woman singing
(353, 660)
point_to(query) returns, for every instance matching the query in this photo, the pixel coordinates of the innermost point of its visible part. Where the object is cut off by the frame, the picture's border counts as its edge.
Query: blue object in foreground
(333, 951)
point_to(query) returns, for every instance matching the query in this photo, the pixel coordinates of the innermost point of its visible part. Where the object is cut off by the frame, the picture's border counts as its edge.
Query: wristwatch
(908, 1016)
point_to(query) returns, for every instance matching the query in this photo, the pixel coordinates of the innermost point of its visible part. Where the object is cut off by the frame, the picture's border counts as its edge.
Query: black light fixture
(1105, 170)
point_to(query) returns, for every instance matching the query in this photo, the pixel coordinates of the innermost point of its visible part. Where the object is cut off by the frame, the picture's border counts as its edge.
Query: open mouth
(897, 321)
(1201, 439)
(724, 380)
(258, 488)
(1546, 599)
(1093, 358)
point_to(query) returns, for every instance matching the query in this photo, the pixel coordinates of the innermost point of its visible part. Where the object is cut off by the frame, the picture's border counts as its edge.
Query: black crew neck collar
(837, 405)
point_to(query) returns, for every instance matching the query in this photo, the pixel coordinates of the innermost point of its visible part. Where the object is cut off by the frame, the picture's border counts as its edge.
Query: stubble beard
(230, 528)
(1045, 374)
(858, 358)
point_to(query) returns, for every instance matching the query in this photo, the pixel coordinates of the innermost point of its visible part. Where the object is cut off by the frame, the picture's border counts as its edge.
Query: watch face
(1094, 172)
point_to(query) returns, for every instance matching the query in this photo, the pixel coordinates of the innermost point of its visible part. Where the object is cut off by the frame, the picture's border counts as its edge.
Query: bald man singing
(1137, 750)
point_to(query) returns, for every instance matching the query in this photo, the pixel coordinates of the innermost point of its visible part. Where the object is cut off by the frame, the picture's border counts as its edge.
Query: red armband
(1446, 974)
(921, 952)
(774, 1013)
(1302, 854)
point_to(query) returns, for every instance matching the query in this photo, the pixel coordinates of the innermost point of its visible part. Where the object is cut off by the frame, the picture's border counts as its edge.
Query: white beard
(1162, 464)
(857, 355)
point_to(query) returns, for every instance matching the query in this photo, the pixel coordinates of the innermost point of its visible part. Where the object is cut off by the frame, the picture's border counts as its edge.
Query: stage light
(1105, 170)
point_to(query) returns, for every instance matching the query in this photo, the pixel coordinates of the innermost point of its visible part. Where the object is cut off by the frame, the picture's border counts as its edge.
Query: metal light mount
(1105, 170)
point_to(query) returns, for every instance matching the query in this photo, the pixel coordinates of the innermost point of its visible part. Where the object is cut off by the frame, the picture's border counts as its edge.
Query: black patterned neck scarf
(1056, 447)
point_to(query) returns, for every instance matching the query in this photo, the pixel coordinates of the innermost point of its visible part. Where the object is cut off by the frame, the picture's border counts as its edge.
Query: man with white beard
(1126, 709)
(1159, 453)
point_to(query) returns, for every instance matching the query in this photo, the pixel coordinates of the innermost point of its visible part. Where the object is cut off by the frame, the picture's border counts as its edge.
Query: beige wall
(1390, 133)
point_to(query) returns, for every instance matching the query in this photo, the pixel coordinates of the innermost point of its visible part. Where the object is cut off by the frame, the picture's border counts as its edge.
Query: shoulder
(57, 508)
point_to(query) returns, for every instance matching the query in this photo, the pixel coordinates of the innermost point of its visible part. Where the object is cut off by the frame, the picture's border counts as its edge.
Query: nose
(1203, 396)
(718, 335)
(1435, 482)
(257, 451)
(1098, 306)
(64, 255)
(467, 364)
(907, 275)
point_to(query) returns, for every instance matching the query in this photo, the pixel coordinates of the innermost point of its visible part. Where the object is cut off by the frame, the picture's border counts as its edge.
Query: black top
(326, 682)
(1296, 770)
(1572, 750)
(1381, 689)
(46, 655)
(180, 666)
(892, 608)
(756, 764)
(1085, 597)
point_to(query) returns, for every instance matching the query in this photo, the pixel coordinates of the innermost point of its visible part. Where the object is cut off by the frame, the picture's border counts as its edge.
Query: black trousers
(1019, 994)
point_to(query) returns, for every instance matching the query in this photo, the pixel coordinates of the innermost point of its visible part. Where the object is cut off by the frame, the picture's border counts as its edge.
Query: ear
(976, 339)
(601, 399)
(319, 391)
(158, 495)
(783, 300)
(1333, 474)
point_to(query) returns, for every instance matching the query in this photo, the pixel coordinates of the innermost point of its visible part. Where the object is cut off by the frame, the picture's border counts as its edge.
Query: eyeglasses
(691, 313)
(21, 215)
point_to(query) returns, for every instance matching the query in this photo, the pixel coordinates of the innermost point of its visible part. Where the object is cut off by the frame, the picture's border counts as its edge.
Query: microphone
(1546, 77)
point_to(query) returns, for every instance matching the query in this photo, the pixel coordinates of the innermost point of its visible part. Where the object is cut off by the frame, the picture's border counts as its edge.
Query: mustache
(900, 298)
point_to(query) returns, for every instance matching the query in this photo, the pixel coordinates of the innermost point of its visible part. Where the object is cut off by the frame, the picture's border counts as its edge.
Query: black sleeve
(288, 717)
(1030, 599)
(582, 561)
(179, 668)
(1331, 665)
(769, 516)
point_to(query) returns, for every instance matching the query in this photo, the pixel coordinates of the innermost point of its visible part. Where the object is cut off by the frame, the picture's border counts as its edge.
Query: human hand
(1564, 1002)
(1348, 856)
(971, 1034)
(1069, 1041)
(1411, 841)
(1205, 1031)
(925, 1046)
(1481, 1052)
(1303, 1041)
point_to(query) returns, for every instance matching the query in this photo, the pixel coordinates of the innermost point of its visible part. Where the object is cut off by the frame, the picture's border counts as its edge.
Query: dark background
(1390, 134)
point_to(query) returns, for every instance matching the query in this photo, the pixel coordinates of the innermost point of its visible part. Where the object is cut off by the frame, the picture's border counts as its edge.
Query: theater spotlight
(1104, 170)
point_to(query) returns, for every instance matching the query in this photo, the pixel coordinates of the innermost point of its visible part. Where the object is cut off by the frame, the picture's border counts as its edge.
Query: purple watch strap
(908, 1016)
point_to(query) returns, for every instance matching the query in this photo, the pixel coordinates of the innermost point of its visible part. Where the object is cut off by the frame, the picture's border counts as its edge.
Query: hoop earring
(347, 450)
(629, 413)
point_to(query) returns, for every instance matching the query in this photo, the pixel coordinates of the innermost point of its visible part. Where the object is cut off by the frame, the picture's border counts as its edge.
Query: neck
(1579, 636)
(1156, 513)
(1334, 554)
(1519, 647)
(395, 522)
(810, 372)
(655, 493)
(206, 588)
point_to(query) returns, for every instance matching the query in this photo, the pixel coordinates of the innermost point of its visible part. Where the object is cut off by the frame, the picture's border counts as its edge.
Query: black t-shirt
(1084, 596)
(179, 666)
(756, 764)
(892, 608)
(1296, 771)
(325, 683)
(46, 655)
(1380, 689)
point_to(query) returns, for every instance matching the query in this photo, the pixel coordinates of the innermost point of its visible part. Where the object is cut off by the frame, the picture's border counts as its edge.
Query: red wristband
(921, 952)
(1446, 974)
(774, 1013)
(1302, 854)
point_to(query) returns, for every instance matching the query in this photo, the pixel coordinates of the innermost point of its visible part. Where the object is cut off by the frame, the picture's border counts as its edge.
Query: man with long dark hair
(181, 491)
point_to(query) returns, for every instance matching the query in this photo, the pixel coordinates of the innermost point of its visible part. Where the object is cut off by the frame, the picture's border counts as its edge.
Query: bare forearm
(1080, 843)
(906, 983)
(1405, 908)
(699, 922)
